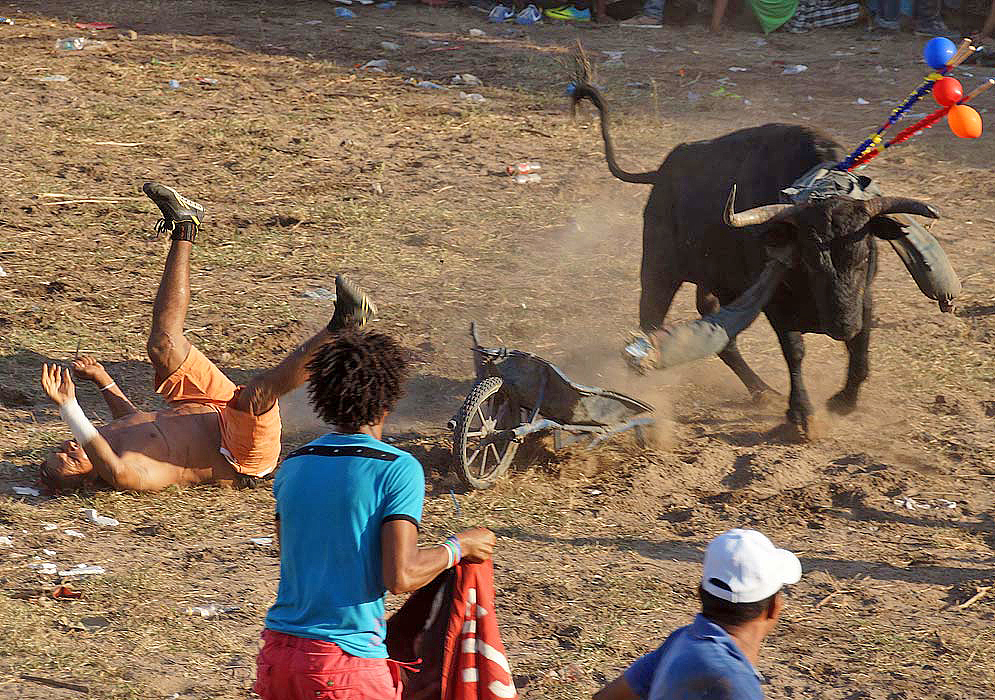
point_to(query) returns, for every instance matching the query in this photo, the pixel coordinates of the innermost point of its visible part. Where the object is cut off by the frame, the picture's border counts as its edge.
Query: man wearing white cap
(714, 657)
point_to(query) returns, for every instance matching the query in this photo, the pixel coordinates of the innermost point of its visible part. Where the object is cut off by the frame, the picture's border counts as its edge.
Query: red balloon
(947, 91)
(964, 121)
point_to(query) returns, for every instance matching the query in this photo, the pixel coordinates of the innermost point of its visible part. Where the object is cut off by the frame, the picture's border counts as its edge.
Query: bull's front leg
(857, 371)
(800, 411)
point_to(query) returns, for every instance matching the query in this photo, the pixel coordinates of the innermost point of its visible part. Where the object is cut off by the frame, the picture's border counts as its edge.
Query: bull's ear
(886, 228)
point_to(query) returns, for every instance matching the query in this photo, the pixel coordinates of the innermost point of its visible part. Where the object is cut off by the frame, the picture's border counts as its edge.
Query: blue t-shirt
(697, 662)
(331, 506)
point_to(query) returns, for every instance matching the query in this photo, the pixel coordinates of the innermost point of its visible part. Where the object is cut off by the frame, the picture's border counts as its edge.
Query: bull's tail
(584, 90)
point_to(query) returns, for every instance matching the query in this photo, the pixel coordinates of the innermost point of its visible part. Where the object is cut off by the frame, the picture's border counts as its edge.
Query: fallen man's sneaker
(180, 216)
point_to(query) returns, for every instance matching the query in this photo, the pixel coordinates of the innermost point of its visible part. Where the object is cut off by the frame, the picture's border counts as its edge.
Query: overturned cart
(517, 394)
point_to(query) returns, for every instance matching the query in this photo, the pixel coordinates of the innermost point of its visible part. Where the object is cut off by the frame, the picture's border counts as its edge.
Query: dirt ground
(311, 166)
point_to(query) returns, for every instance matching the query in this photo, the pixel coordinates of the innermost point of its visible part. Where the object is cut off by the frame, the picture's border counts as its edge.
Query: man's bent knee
(167, 352)
(256, 397)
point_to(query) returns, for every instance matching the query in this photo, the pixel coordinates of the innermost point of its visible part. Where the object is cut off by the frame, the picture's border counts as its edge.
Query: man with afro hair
(348, 507)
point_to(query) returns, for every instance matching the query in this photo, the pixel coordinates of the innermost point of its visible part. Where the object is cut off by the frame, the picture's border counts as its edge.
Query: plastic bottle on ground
(71, 44)
(526, 179)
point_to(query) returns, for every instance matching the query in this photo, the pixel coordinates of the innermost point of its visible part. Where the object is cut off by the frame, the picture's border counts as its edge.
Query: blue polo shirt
(697, 662)
(332, 496)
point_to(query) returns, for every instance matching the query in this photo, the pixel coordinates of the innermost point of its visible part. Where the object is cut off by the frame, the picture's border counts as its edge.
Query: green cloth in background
(773, 13)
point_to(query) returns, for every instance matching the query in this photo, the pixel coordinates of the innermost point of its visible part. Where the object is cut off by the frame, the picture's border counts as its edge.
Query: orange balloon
(964, 121)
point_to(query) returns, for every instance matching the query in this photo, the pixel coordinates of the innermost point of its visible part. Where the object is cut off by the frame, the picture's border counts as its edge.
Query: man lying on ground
(714, 657)
(347, 512)
(213, 430)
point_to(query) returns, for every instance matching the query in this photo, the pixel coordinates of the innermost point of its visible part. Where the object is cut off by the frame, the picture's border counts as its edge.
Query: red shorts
(295, 668)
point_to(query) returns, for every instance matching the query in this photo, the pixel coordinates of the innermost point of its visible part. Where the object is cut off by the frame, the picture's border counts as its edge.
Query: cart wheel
(487, 410)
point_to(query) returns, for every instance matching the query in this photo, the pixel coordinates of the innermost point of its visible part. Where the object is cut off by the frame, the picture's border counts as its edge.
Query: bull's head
(829, 236)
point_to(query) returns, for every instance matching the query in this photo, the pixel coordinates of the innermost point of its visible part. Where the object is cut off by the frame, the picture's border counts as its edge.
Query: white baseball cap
(743, 566)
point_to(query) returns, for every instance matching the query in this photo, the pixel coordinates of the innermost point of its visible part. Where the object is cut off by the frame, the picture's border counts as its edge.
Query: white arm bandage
(79, 425)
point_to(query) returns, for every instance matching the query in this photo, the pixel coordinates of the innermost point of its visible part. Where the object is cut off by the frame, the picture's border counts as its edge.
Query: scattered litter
(53, 79)
(48, 527)
(638, 86)
(693, 96)
(319, 293)
(174, 84)
(526, 179)
(25, 491)
(613, 56)
(722, 92)
(427, 84)
(861, 101)
(344, 13)
(468, 79)
(94, 25)
(390, 46)
(94, 623)
(66, 593)
(2, 273)
(207, 81)
(759, 42)
(794, 70)
(48, 552)
(262, 541)
(6, 20)
(77, 43)
(93, 517)
(210, 611)
(74, 533)
(5, 541)
(593, 492)
(131, 35)
(379, 64)
(472, 97)
(389, 5)
(523, 168)
(43, 567)
(478, 32)
(83, 570)
(737, 69)
(376, 188)
(313, 22)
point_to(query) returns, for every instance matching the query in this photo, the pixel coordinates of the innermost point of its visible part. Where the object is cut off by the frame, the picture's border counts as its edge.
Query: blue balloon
(938, 52)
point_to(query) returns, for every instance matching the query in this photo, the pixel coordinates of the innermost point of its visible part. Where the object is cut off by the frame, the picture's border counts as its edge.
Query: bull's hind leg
(708, 303)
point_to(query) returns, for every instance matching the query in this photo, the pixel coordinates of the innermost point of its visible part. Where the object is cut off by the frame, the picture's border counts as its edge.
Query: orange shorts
(250, 443)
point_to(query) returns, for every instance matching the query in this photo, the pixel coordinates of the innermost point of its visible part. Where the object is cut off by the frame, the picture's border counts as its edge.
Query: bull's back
(687, 203)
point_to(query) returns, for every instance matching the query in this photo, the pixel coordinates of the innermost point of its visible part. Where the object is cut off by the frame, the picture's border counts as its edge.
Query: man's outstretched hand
(57, 384)
(87, 368)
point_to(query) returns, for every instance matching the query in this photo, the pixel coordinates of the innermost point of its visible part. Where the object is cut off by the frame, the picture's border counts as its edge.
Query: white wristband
(105, 388)
(79, 425)
(451, 556)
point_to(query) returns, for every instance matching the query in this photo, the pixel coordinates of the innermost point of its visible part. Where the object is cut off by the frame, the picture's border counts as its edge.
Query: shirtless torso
(178, 445)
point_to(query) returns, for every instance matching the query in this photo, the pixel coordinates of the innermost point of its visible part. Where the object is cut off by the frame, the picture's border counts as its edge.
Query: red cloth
(451, 626)
(295, 668)
(475, 665)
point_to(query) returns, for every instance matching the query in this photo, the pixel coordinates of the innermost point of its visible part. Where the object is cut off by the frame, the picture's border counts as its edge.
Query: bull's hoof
(842, 404)
(803, 427)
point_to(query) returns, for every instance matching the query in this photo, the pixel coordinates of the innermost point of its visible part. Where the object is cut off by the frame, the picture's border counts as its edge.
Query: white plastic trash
(83, 570)
(25, 491)
(96, 519)
(74, 533)
(262, 541)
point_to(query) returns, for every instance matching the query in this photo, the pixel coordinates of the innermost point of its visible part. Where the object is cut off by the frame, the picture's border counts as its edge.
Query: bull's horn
(757, 215)
(900, 205)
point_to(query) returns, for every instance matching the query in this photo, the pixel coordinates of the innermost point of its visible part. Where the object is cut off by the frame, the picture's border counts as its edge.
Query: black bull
(804, 252)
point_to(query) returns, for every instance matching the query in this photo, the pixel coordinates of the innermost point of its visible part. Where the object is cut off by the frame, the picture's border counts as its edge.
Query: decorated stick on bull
(942, 56)
(964, 121)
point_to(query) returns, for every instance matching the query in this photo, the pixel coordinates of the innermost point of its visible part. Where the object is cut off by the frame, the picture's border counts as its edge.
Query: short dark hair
(723, 612)
(356, 378)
